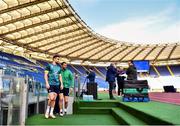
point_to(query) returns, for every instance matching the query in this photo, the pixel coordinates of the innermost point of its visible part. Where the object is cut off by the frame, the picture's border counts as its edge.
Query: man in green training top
(54, 83)
(68, 83)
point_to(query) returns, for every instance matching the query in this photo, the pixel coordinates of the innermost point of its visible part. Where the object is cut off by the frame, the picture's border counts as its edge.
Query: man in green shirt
(54, 83)
(68, 83)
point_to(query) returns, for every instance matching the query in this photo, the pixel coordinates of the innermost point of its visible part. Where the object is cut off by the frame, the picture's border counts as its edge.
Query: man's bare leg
(48, 106)
(61, 97)
(52, 104)
(66, 103)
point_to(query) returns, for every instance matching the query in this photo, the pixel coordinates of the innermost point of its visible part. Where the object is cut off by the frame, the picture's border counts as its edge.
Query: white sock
(47, 110)
(65, 110)
(51, 112)
(61, 110)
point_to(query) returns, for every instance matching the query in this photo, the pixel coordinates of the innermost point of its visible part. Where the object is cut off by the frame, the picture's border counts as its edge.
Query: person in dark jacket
(110, 78)
(91, 76)
(120, 80)
(131, 71)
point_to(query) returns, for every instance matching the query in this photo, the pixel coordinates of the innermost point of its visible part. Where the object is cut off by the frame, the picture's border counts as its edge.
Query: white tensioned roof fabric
(53, 27)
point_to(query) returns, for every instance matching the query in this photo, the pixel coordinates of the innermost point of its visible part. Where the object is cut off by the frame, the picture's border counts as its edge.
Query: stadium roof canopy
(43, 28)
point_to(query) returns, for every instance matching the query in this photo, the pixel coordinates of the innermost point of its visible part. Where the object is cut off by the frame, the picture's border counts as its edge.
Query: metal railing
(79, 86)
(13, 92)
(16, 94)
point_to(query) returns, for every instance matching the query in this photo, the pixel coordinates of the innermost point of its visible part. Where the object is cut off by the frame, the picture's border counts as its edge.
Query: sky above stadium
(140, 21)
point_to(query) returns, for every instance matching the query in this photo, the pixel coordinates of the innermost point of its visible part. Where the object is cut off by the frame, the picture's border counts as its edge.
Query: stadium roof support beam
(2, 43)
(67, 43)
(34, 48)
(139, 53)
(97, 52)
(20, 44)
(118, 53)
(172, 52)
(111, 52)
(59, 34)
(128, 53)
(106, 53)
(73, 45)
(149, 53)
(83, 47)
(22, 6)
(56, 41)
(89, 51)
(33, 15)
(47, 30)
(100, 51)
(37, 24)
(159, 53)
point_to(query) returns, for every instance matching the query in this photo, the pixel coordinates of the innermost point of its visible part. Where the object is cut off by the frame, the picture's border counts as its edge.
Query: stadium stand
(36, 70)
(163, 70)
(102, 70)
(176, 69)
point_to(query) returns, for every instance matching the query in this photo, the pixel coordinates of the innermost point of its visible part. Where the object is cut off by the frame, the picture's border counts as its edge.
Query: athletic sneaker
(65, 111)
(61, 114)
(46, 116)
(52, 116)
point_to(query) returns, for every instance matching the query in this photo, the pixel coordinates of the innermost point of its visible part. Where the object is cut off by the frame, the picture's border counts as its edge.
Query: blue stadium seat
(102, 70)
(163, 70)
(175, 69)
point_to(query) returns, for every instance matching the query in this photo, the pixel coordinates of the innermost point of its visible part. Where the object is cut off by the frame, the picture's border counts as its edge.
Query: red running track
(173, 98)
